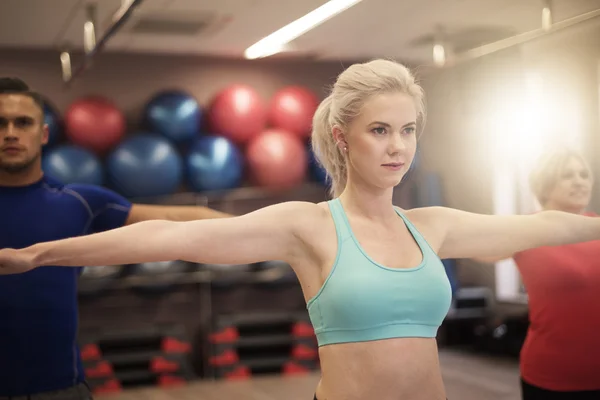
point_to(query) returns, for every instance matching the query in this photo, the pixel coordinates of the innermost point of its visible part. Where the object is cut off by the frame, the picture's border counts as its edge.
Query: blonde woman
(371, 273)
(560, 358)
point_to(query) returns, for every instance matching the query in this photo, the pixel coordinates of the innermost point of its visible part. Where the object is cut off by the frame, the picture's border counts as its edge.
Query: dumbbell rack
(117, 360)
(246, 345)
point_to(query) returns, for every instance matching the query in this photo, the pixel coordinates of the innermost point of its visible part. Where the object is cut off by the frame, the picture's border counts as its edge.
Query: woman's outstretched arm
(270, 233)
(463, 234)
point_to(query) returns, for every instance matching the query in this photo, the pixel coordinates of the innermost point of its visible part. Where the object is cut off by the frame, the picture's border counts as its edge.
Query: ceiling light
(547, 16)
(276, 41)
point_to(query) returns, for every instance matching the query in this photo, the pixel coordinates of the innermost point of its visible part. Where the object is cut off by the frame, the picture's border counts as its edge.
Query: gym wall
(453, 144)
(130, 80)
(457, 142)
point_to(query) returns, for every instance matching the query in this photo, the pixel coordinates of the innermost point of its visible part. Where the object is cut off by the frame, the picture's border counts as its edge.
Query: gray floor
(467, 377)
(473, 377)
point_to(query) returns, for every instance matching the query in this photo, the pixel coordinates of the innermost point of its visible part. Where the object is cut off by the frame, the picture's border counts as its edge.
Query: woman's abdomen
(391, 369)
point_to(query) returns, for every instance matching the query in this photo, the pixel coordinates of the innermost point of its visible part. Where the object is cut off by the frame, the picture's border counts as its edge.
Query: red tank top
(562, 348)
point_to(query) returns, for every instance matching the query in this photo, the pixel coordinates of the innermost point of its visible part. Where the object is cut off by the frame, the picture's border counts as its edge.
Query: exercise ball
(292, 109)
(160, 267)
(53, 120)
(316, 171)
(214, 163)
(238, 113)
(94, 123)
(277, 159)
(73, 164)
(144, 165)
(174, 114)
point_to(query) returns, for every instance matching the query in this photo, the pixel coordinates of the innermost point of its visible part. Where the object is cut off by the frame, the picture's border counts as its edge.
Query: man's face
(22, 132)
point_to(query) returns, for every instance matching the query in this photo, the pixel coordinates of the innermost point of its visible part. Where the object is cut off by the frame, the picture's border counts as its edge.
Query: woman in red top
(560, 358)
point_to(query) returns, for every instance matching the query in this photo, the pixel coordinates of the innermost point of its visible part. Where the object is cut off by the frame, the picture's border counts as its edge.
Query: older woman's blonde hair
(548, 169)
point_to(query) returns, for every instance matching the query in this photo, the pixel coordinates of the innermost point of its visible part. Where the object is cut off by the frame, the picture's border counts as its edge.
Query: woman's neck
(374, 204)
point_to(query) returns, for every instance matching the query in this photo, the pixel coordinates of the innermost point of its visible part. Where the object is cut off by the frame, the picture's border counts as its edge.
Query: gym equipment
(144, 165)
(277, 159)
(73, 164)
(94, 281)
(214, 163)
(174, 114)
(471, 306)
(292, 109)
(274, 274)
(121, 359)
(471, 302)
(238, 113)
(316, 171)
(503, 336)
(225, 276)
(94, 123)
(53, 120)
(246, 345)
(166, 274)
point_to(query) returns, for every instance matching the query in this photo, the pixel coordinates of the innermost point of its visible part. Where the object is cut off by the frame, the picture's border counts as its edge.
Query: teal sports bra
(362, 300)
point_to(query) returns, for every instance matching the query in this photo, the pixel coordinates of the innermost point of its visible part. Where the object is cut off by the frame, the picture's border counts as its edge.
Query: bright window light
(523, 126)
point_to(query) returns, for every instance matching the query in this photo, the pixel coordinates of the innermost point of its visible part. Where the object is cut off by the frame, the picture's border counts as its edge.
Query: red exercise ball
(277, 159)
(94, 123)
(238, 113)
(292, 109)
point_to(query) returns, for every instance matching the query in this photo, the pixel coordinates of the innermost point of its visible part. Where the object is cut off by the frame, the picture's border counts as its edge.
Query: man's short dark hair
(11, 85)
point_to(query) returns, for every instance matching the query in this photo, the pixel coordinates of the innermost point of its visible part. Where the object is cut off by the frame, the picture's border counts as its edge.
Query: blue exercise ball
(214, 163)
(73, 164)
(144, 165)
(316, 171)
(53, 120)
(174, 114)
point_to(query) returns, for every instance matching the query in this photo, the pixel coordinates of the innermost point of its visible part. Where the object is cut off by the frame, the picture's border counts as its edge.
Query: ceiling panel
(372, 28)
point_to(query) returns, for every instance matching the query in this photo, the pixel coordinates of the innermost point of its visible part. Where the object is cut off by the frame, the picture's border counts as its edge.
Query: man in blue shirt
(39, 356)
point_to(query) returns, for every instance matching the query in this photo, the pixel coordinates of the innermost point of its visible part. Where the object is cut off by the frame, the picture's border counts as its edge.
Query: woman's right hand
(277, 232)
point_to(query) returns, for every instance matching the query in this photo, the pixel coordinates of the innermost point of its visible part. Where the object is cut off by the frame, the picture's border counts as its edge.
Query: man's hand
(14, 261)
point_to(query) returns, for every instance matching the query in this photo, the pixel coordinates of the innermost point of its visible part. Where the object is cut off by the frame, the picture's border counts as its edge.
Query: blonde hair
(548, 169)
(352, 89)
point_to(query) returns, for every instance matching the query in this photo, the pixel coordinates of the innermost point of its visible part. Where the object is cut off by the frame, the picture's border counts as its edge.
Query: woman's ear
(340, 140)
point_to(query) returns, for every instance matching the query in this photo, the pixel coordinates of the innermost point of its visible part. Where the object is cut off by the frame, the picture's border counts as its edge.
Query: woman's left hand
(13, 261)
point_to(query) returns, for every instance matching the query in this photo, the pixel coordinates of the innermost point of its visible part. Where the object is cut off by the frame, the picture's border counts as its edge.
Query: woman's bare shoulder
(307, 207)
(427, 221)
(307, 218)
(299, 214)
(307, 213)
